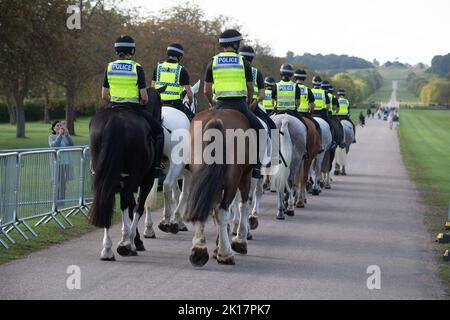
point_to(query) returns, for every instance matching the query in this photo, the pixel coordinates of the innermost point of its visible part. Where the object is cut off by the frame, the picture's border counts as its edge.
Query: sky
(412, 31)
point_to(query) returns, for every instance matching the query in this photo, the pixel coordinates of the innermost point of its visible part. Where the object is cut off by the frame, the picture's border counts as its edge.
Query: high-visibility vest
(267, 102)
(122, 78)
(343, 107)
(229, 75)
(168, 74)
(304, 102)
(286, 95)
(330, 96)
(320, 101)
(255, 83)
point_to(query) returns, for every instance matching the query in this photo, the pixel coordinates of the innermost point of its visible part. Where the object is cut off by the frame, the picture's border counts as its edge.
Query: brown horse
(313, 147)
(214, 185)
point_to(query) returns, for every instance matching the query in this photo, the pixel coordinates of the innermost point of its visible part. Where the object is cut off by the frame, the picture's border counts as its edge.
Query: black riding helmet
(300, 74)
(287, 70)
(326, 85)
(341, 92)
(269, 81)
(230, 38)
(125, 45)
(175, 50)
(247, 52)
(317, 81)
(330, 89)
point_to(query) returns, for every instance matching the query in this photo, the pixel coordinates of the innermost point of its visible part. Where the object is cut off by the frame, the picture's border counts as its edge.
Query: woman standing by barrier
(60, 138)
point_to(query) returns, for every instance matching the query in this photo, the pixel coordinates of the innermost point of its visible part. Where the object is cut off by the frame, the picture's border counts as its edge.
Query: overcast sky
(413, 30)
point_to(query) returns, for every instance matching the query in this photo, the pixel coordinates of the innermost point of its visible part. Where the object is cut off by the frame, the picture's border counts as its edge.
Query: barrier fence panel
(43, 183)
(8, 186)
(69, 176)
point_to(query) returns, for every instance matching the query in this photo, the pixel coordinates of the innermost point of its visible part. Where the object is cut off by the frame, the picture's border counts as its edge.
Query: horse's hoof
(149, 233)
(164, 227)
(253, 222)
(183, 228)
(300, 204)
(249, 236)
(140, 247)
(108, 259)
(124, 251)
(321, 184)
(290, 213)
(134, 253)
(152, 236)
(214, 255)
(173, 228)
(234, 233)
(280, 216)
(315, 192)
(199, 257)
(226, 261)
(239, 247)
(336, 172)
(344, 173)
(327, 186)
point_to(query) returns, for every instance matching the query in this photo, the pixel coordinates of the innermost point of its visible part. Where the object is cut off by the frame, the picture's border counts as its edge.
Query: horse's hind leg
(253, 220)
(169, 182)
(239, 243)
(107, 254)
(181, 207)
(199, 253)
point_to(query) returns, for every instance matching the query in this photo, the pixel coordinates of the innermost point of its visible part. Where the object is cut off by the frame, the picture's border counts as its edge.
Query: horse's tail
(281, 176)
(109, 162)
(207, 183)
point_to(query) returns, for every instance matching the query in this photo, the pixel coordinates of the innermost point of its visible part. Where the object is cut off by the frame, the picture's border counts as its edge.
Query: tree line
(43, 60)
(329, 62)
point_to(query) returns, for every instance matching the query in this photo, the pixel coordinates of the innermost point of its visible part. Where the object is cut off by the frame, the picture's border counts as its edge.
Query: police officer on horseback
(172, 74)
(334, 105)
(321, 107)
(306, 98)
(344, 110)
(124, 87)
(269, 83)
(232, 77)
(258, 87)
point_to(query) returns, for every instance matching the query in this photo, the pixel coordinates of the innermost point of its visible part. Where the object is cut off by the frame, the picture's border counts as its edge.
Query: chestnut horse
(214, 185)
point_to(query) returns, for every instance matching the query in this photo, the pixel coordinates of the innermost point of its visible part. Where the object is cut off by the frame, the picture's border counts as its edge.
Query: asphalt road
(370, 217)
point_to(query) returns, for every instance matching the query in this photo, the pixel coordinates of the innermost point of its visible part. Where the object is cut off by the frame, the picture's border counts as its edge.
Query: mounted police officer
(124, 87)
(334, 105)
(172, 74)
(258, 87)
(269, 83)
(232, 77)
(322, 105)
(344, 110)
(307, 99)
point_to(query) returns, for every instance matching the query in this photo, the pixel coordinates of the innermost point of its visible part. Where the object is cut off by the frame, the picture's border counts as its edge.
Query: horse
(341, 154)
(313, 147)
(214, 184)
(176, 126)
(317, 167)
(122, 156)
(293, 149)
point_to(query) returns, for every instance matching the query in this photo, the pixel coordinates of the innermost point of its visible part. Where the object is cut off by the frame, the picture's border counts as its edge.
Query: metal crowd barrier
(50, 184)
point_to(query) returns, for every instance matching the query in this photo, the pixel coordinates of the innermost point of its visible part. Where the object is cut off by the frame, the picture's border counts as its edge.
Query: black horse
(122, 156)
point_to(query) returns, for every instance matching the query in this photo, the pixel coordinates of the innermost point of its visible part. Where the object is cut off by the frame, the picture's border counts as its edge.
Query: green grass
(37, 135)
(383, 95)
(51, 234)
(424, 137)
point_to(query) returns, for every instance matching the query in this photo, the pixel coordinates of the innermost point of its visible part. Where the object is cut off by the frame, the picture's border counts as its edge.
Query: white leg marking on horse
(149, 232)
(107, 253)
(199, 240)
(243, 222)
(133, 230)
(222, 218)
(125, 229)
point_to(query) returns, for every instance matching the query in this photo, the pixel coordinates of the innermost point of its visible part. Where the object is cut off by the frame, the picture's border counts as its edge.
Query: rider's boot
(159, 145)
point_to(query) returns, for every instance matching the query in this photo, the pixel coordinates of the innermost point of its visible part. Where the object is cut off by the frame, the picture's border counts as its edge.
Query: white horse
(172, 119)
(341, 154)
(318, 162)
(293, 149)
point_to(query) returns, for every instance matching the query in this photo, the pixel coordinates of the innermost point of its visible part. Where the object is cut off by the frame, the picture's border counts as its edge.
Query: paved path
(370, 217)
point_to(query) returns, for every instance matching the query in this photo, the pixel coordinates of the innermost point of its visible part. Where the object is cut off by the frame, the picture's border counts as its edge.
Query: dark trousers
(241, 106)
(266, 118)
(347, 117)
(333, 126)
(178, 104)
